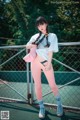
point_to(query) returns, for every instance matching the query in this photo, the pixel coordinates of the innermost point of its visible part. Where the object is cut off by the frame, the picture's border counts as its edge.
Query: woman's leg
(36, 73)
(51, 79)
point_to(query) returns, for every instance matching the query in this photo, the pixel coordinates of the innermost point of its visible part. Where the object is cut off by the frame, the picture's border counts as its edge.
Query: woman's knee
(54, 86)
(38, 87)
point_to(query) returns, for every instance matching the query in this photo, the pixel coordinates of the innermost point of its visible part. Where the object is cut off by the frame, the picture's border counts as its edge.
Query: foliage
(18, 19)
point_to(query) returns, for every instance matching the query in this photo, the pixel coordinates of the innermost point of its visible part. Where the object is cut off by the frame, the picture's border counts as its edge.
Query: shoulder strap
(38, 42)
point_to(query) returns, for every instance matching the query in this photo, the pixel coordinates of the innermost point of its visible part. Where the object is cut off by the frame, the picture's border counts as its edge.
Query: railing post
(29, 84)
(32, 90)
(28, 79)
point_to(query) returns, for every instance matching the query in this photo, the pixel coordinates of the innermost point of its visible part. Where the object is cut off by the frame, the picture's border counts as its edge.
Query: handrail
(12, 46)
(68, 43)
(23, 46)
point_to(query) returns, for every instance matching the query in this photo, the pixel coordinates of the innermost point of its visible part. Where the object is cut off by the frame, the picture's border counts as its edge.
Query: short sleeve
(53, 43)
(32, 39)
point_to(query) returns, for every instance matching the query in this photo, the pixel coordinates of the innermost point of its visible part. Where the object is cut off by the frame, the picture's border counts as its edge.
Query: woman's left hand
(48, 66)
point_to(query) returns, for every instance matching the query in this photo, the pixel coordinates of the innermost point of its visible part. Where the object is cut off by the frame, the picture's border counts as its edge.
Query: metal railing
(14, 73)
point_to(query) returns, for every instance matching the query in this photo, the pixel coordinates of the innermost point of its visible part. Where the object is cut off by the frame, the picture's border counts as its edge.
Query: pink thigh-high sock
(36, 73)
(36, 68)
(51, 80)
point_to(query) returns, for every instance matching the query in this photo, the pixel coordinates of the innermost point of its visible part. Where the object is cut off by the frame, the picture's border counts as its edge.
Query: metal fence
(16, 82)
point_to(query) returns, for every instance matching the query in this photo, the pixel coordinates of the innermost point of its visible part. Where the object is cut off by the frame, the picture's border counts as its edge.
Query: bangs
(40, 21)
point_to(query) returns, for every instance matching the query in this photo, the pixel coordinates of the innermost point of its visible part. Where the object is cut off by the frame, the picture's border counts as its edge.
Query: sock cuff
(40, 101)
(58, 98)
(41, 104)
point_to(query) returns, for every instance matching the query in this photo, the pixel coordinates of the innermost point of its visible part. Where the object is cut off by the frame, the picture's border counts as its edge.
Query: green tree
(63, 18)
(18, 20)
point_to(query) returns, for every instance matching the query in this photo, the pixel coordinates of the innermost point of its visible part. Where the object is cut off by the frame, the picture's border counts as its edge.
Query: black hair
(40, 21)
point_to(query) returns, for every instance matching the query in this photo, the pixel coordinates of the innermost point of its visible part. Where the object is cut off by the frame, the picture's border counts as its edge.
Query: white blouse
(43, 51)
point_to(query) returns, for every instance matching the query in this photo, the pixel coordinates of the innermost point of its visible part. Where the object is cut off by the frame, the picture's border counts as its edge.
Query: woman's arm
(48, 66)
(50, 54)
(29, 46)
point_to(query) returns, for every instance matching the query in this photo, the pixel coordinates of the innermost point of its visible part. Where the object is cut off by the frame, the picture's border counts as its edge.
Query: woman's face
(42, 28)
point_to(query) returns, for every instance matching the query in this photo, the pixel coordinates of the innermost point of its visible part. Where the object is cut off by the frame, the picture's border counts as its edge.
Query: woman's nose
(41, 28)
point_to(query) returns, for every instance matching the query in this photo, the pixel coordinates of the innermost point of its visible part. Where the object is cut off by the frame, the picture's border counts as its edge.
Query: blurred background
(17, 25)
(17, 19)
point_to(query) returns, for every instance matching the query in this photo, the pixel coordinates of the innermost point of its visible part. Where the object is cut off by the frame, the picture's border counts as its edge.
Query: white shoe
(59, 110)
(42, 113)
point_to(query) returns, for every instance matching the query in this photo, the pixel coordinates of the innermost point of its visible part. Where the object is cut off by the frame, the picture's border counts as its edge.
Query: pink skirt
(31, 56)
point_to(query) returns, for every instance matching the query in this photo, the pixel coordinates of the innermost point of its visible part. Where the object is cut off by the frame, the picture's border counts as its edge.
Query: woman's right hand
(29, 46)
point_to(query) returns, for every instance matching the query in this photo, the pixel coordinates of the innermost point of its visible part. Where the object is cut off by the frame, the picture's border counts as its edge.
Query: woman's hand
(47, 66)
(29, 46)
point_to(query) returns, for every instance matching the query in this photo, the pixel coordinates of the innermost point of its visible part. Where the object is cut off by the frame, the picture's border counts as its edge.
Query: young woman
(47, 44)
